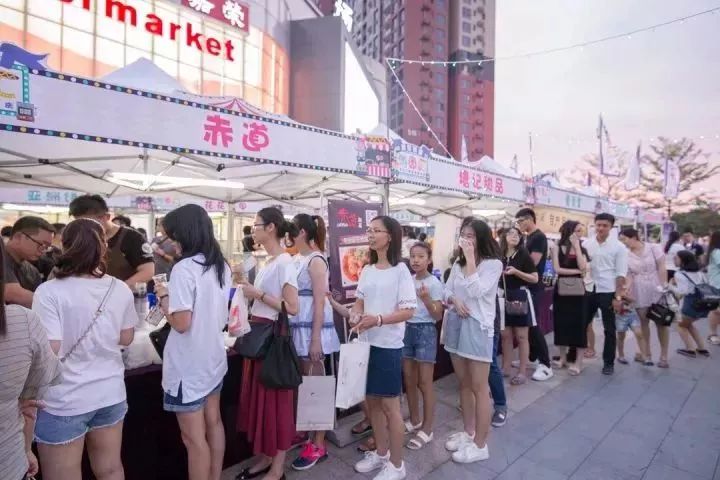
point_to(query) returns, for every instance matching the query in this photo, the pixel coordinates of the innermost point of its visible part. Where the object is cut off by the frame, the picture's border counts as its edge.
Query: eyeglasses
(371, 231)
(40, 246)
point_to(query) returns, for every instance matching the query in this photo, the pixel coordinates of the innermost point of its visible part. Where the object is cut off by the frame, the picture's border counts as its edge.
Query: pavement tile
(561, 451)
(660, 471)
(525, 469)
(625, 452)
(454, 471)
(690, 453)
(601, 471)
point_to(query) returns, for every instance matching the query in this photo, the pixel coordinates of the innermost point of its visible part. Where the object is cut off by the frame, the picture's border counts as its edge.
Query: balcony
(425, 8)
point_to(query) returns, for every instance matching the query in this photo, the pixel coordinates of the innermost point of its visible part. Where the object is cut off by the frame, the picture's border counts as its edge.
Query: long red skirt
(267, 416)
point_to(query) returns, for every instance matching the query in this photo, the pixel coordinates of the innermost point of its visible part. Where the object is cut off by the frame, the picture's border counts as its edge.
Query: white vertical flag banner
(464, 152)
(632, 178)
(672, 179)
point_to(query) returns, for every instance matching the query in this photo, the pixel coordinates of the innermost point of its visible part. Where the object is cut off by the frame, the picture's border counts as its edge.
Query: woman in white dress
(313, 328)
(471, 290)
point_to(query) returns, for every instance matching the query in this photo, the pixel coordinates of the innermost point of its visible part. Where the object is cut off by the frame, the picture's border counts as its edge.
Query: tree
(703, 221)
(695, 168)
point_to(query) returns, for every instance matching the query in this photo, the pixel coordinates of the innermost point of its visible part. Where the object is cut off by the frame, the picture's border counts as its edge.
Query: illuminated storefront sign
(231, 12)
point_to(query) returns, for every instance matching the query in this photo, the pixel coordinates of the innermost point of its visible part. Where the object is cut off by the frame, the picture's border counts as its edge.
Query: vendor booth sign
(15, 82)
(349, 251)
(411, 162)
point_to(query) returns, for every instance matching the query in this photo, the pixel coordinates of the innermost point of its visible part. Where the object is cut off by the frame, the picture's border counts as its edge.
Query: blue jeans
(495, 379)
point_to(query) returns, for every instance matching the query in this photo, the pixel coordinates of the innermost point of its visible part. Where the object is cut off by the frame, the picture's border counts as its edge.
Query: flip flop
(367, 446)
(365, 430)
(714, 339)
(574, 371)
(590, 353)
(663, 364)
(558, 364)
(419, 440)
(686, 353)
(518, 380)
(623, 360)
(703, 353)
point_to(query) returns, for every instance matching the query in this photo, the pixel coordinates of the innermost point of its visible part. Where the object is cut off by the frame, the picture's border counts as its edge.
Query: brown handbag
(516, 308)
(570, 286)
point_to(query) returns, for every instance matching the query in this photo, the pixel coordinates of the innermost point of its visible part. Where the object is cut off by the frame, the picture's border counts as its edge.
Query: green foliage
(703, 221)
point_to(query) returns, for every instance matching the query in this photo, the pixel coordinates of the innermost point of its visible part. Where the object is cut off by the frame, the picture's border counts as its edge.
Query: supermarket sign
(231, 12)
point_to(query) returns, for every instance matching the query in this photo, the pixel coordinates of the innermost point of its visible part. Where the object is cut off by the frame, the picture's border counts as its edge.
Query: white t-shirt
(670, 255)
(478, 291)
(197, 358)
(436, 291)
(384, 292)
(94, 374)
(277, 273)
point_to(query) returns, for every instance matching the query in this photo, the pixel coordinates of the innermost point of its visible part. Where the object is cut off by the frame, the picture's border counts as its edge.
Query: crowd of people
(67, 292)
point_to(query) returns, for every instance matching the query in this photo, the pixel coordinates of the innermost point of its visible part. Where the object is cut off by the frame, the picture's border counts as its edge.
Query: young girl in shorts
(687, 277)
(421, 347)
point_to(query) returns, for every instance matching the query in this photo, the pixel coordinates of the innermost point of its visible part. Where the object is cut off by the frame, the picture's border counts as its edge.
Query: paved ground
(641, 423)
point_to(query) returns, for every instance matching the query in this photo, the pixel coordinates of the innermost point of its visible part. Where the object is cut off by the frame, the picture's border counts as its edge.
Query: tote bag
(352, 374)
(281, 365)
(316, 404)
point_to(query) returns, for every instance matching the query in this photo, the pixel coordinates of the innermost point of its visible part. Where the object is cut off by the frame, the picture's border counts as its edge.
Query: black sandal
(703, 353)
(686, 353)
(245, 473)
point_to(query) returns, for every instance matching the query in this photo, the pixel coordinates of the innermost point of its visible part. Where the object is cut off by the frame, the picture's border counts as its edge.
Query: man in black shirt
(688, 238)
(537, 244)
(29, 239)
(129, 256)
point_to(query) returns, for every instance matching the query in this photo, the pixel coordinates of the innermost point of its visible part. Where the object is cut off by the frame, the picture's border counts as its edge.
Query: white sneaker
(516, 363)
(390, 472)
(542, 373)
(371, 461)
(471, 453)
(457, 440)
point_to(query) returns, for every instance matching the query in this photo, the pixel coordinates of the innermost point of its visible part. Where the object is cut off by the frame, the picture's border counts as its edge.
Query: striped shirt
(27, 366)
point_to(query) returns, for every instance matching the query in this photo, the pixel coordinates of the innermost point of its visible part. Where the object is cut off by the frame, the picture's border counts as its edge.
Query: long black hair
(314, 227)
(566, 231)
(713, 245)
(688, 261)
(485, 245)
(274, 216)
(191, 227)
(394, 253)
(672, 238)
(3, 320)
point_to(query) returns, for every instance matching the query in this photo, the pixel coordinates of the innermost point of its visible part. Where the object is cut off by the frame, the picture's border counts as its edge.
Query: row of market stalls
(148, 146)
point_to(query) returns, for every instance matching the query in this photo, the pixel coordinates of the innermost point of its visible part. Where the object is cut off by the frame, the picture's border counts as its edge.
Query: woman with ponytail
(268, 415)
(313, 328)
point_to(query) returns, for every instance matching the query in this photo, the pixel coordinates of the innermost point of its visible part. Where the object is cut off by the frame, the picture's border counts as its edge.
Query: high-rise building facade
(455, 101)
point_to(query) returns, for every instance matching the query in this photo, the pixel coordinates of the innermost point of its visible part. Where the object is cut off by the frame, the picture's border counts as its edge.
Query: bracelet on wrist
(379, 321)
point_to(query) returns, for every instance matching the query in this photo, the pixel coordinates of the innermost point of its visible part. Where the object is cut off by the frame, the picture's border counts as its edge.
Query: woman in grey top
(27, 365)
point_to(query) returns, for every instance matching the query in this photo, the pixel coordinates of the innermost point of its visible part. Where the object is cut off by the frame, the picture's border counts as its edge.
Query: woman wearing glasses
(268, 415)
(386, 299)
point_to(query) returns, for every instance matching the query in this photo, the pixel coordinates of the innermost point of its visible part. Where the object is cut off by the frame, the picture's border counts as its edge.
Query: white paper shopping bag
(316, 404)
(352, 374)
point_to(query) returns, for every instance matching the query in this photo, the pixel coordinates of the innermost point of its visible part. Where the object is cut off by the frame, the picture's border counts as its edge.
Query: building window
(466, 27)
(439, 34)
(439, 122)
(440, 94)
(440, 19)
(440, 107)
(466, 12)
(466, 41)
(439, 48)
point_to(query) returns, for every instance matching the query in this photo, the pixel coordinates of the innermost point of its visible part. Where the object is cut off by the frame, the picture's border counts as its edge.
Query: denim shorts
(420, 342)
(176, 405)
(626, 321)
(384, 378)
(56, 430)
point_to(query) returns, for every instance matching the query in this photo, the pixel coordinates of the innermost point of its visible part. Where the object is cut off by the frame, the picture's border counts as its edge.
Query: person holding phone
(386, 299)
(471, 291)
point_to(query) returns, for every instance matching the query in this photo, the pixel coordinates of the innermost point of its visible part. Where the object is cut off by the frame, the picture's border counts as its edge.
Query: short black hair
(6, 231)
(688, 261)
(688, 230)
(85, 205)
(526, 212)
(59, 227)
(607, 217)
(123, 220)
(247, 230)
(630, 233)
(31, 225)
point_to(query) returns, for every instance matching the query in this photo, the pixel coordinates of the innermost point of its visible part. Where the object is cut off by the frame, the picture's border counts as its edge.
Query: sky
(660, 83)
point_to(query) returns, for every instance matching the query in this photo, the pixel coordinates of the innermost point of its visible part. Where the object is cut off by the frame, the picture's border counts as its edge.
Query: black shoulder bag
(281, 366)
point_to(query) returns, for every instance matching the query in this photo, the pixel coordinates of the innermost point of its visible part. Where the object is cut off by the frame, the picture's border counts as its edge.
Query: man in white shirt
(609, 265)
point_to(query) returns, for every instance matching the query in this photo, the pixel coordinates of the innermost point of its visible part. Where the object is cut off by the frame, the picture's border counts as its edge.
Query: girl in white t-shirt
(386, 299)
(266, 415)
(88, 316)
(195, 303)
(469, 330)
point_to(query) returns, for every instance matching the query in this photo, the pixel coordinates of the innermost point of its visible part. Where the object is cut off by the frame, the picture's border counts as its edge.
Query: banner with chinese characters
(549, 219)
(131, 117)
(52, 197)
(410, 162)
(232, 12)
(451, 175)
(348, 250)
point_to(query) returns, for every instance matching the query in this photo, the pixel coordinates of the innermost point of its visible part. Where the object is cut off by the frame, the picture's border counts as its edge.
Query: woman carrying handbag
(519, 272)
(571, 262)
(267, 415)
